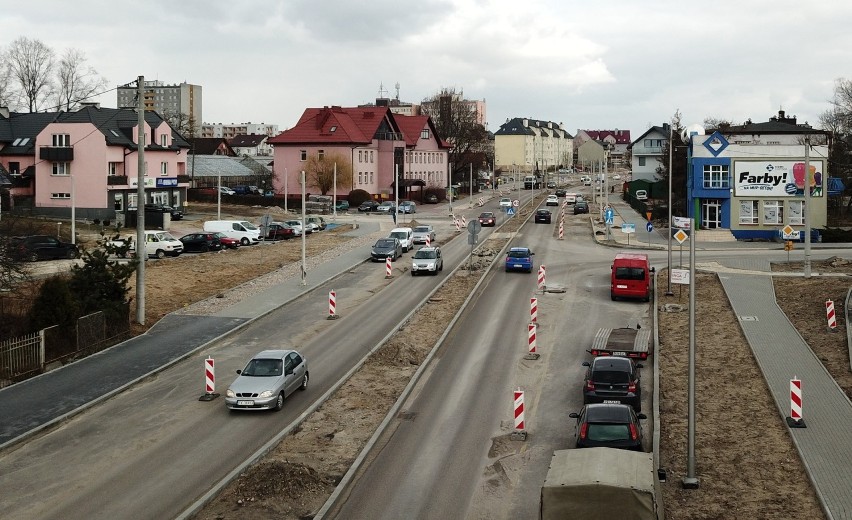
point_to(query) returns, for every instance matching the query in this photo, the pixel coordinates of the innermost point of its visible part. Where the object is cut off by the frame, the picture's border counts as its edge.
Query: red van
(631, 277)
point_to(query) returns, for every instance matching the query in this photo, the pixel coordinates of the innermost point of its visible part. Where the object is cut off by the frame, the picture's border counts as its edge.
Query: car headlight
(265, 393)
(414, 266)
(230, 393)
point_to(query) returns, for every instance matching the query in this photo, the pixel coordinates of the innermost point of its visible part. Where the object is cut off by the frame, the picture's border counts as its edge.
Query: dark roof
(661, 129)
(514, 127)
(209, 146)
(19, 130)
(247, 141)
(779, 124)
(4, 177)
(621, 136)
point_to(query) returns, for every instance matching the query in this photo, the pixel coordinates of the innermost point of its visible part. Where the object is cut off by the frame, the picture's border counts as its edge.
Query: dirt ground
(747, 464)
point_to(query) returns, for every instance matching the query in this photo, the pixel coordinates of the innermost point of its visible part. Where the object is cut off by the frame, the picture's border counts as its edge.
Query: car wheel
(304, 382)
(73, 254)
(612, 296)
(279, 403)
(413, 273)
(244, 241)
(33, 257)
(205, 248)
(160, 253)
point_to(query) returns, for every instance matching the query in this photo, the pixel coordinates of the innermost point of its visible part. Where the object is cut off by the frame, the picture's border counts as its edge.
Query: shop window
(773, 212)
(748, 212)
(797, 212)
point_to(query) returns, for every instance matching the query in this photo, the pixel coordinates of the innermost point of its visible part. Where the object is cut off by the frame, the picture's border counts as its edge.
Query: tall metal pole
(141, 253)
(396, 193)
(807, 208)
(450, 181)
(334, 192)
(471, 185)
(669, 271)
(219, 195)
(285, 190)
(73, 213)
(304, 265)
(691, 481)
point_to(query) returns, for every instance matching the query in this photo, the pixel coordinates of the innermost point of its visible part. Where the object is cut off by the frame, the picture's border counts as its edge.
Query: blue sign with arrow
(609, 216)
(649, 227)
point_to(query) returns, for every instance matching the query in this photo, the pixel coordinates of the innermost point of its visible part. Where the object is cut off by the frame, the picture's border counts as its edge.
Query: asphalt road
(448, 455)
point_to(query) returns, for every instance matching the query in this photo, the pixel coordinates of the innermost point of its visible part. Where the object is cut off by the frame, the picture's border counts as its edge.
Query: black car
(386, 247)
(608, 426)
(200, 242)
(560, 192)
(581, 206)
(41, 247)
(175, 213)
(612, 380)
(542, 216)
(431, 198)
(368, 206)
(551, 185)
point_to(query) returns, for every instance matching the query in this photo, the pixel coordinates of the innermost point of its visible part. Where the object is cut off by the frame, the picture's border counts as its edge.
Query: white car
(297, 225)
(427, 260)
(505, 202)
(386, 207)
(616, 177)
(552, 200)
(421, 232)
(404, 235)
(224, 190)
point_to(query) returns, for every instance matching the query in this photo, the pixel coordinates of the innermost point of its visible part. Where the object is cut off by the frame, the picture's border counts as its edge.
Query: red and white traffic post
(830, 316)
(428, 241)
(463, 222)
(561, 228)
(531, 341)
(796, 419)
(534, 310)
(388, 268)
(209, 381)
(457, 223)
(541, 277)
(520, 432)
(332, 305)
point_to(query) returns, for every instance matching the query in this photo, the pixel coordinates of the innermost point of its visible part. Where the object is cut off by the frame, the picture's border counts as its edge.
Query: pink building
(88, 159)
(374, 140)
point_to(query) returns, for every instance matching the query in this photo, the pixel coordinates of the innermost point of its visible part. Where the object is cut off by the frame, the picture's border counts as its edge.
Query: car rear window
(421, 229)
(629, 273)
(608, 432)
(518, 254)
(610, 376)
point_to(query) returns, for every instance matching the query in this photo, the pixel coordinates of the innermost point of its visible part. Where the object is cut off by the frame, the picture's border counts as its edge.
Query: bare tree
(7, 92)
(184, 124)
(30, 65)
(75, 81)
(319, 172)
(456, 121)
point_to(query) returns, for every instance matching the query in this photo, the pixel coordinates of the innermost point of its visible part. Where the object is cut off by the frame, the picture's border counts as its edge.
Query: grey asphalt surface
(825, 446)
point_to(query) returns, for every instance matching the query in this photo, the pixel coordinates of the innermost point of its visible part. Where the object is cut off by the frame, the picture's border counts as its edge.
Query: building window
(797, 212)
(60, 195)
(164, 140)
(716, 176)
(320, 154)
(164, 168)
(641, 161)
(112, 168)
(360, 178)
(371, 173)
(15, 168)
(61, 140)
(118, 202)
(360, 156)
(371, 160)
(61, 168)
(773, 212)
(748, 212)
(303, 155)
(424, 134)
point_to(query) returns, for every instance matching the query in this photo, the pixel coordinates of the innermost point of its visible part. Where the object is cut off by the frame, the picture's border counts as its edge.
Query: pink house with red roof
(377, 143)
(617, 142)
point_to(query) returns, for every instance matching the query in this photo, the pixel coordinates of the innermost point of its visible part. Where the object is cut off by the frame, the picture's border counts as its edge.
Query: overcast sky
(590, 65)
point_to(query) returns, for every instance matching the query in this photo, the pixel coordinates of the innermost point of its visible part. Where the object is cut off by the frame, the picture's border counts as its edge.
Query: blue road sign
(649, 227)
(510, 212)
(609, 216)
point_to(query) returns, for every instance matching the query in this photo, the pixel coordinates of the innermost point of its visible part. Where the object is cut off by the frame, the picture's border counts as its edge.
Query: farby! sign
(776, 178)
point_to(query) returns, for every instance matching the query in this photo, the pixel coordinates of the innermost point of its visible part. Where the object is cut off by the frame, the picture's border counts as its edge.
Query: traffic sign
(474, 227)
(510, 212)
(788, 233)
(680, 236)
(649, 227)
(628, 228)
(680, 276)
(516, 203)
(609, 215)
(648, 217)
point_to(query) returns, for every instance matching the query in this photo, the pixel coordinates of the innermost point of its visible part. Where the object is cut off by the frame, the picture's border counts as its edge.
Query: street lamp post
(669, 271)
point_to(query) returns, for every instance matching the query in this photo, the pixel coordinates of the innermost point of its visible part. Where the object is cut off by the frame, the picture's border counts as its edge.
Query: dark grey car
(267, 380)
(386, 247)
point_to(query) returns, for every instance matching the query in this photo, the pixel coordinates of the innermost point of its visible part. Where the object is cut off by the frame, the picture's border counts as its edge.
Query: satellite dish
(691, 130)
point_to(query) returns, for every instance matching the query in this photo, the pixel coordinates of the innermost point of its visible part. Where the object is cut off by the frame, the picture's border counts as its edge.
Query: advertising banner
(776, 178)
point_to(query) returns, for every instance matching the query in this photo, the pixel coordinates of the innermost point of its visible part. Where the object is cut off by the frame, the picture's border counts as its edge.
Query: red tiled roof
(411, 126)
(355, 125)
(621, 136)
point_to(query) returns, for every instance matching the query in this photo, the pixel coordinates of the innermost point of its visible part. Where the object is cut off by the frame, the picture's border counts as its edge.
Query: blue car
(519, 259)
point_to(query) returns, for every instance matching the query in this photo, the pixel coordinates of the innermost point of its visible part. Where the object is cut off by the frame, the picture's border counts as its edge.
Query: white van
(242, 230)
(405, 236)
(157, 244)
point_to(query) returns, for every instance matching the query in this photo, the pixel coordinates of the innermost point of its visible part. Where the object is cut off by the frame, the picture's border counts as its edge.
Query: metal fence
(21, 357)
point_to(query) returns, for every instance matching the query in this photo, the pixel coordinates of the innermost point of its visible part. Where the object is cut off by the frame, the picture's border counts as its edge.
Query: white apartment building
(531, 144)
(231, 130)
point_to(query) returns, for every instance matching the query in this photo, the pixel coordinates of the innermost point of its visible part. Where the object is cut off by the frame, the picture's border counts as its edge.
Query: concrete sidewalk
(825, 446)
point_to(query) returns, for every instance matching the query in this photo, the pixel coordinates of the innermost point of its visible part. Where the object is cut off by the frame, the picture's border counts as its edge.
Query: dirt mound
(274, 479)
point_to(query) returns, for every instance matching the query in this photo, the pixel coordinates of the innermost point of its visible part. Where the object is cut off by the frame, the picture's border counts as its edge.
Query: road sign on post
(609, 216)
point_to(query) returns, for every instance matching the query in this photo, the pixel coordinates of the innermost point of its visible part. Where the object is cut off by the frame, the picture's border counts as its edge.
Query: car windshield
(423, 253)
(219, 235)
(264, 368)
(611, 377)
(384, 243)
(608, 432)
(421, 229)
(487, 215)
(518, 254)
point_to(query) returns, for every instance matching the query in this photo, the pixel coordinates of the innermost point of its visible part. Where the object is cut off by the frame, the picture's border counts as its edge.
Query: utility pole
(141, 252)
(669, 271)
(471, 185)
(807, 208)
(304, 264)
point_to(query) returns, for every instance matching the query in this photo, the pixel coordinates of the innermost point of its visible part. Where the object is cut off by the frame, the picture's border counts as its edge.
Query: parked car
(269, 193)
(581, 207)
(201, 242)
(543, 216)
(552, 200)
(318, 222)
(608, 426)
(641, 195)
(505, 202)
(297, 225)
(407, 206)
(227, 242)
(616, 177)
(224, 190)
(280, 231)
(268, 378)
(386, 247)
(421, 233)
(487, 218)
(427, 260)
(368, 206)
(405, 235)
(613, 379)
(175, 213)
(243, 230)
(519, 259)
(386, 207)
(431, 198)
(342, 205)
(41, 247)
(254, 190)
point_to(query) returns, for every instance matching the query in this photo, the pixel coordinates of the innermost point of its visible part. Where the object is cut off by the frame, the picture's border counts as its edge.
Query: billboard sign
(776, 178)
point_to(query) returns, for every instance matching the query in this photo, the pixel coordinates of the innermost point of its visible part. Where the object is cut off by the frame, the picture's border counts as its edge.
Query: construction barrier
(541, 277)
(209, 381)
(561, 229)
(332, 306)
(796, 419)
(388, 268)
(829, 313)
(463, 222)
(534, 310)
(428, 241)
(457, 224)
(519, 410)
(480, 202)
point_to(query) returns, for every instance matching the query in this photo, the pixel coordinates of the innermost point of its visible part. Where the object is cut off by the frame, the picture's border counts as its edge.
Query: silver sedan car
(267, 380)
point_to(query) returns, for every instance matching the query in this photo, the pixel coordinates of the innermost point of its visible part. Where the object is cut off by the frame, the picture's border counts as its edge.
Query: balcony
(56, 153)
(117, 180)
(647, 150)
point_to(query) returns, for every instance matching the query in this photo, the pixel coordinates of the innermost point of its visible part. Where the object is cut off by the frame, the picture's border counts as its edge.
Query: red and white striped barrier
(332, 305)
(531, 335)
(480, 202)
(796, 419)
(561, 229)
(388, 268)
(428, 241)
(534, 310)
(457, 223)
(519, 410)
(463, 222)
(541, 277)
(209, 381)
(830, 315)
